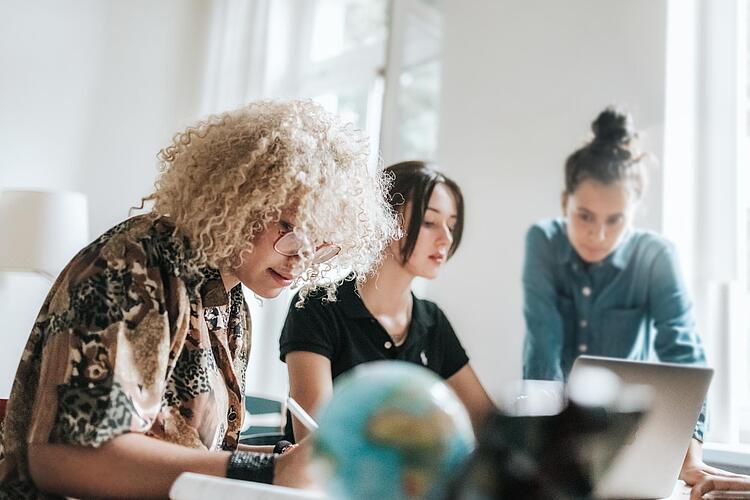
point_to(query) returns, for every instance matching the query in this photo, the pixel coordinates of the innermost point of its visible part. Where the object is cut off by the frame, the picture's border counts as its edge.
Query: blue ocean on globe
(392, 430)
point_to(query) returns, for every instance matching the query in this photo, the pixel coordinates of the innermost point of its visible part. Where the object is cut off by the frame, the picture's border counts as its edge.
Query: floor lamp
(39, 233)
(41, 230)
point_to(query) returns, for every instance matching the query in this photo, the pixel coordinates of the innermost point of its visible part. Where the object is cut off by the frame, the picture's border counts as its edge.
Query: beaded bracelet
(249, 466)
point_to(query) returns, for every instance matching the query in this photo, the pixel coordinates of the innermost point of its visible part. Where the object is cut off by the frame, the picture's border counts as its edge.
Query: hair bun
(613, 126)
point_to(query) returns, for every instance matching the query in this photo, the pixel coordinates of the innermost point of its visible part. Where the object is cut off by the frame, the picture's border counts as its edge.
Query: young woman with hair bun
(594, 284)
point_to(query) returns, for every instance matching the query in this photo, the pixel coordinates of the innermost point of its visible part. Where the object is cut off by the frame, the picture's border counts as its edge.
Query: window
(745, 408)
(710, 209)
(411, 106)
(377, 63)
(343, 67)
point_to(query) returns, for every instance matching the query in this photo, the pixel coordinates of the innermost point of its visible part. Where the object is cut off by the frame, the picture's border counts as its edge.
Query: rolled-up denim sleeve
(542, 349)
(677, 339)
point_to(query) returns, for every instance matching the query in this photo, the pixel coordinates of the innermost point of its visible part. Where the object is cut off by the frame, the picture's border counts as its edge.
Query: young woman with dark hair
(594, 284)
(380, 318)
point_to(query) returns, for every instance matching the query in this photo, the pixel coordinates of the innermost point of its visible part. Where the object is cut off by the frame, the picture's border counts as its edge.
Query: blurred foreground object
(553, 456)
(391, 430)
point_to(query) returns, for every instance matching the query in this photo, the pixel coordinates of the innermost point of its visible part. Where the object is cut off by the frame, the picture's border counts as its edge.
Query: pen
(299, 412)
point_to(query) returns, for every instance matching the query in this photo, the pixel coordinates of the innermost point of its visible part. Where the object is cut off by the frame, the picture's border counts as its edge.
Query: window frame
(396, 64)
(721, 265)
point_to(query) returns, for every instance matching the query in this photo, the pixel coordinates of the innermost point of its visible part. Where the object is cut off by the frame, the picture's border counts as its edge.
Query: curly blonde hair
(225, 179)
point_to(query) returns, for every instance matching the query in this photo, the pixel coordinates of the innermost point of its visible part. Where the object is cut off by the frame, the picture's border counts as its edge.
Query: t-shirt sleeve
(308, 329)
(455, 356)
(104, 337)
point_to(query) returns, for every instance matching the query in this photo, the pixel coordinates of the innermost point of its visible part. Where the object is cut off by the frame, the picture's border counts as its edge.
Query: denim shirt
(632, 305)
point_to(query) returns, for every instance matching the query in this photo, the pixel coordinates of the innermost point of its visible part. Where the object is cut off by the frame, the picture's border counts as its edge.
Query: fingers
(725, 473)
(741, 483)
(693, 476)
(289, 448)
(719, 483)
(292, 467)
(701, 488)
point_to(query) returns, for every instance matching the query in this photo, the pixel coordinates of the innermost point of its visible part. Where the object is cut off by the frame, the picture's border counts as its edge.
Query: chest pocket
(621, 331)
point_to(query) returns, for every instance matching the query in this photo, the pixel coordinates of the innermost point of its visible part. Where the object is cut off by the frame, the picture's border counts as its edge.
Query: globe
(391, 430)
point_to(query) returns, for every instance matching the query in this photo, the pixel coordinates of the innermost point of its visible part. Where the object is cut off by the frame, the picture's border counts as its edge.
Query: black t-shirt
(346, 333)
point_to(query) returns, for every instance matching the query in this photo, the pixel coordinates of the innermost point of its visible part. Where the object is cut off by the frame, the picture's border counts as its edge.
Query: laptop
(649, 464)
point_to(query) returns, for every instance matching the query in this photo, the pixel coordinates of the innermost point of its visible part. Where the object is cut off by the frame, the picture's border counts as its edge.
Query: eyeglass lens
(290, 244)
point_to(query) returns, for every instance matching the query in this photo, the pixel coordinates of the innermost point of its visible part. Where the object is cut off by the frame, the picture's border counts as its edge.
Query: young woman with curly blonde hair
(134, 371)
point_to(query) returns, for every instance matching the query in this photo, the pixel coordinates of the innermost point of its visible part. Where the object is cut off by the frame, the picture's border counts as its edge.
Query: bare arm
(129, 466)
(310, 384)
(137, 466)
(472, 394)
(255, 448)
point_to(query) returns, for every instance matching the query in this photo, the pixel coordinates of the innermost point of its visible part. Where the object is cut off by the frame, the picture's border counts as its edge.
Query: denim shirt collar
(621, 256)
(617, 259)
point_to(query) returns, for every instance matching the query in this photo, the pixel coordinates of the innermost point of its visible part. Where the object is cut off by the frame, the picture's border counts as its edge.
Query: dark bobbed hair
(611, 156)
(413, 182)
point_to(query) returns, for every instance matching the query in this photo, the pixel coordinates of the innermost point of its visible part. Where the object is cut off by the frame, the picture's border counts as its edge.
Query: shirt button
(388, 345)
(583, 347)
(586, 291)
(584, 323)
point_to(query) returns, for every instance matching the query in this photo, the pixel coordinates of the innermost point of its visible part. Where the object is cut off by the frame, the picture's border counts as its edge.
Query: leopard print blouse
(133, 337)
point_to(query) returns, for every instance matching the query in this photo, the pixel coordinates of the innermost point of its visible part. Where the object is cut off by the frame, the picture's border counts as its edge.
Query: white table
(191, 486)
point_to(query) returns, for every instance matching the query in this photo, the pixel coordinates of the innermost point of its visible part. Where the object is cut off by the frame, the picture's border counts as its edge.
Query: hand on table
(724, 482)
(292, 467)
(699, 471)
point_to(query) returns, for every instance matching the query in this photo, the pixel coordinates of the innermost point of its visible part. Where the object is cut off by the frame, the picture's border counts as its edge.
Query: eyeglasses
(289, 245)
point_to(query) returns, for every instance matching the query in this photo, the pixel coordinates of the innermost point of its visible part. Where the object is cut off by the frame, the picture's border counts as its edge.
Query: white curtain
(237, 54)
(237, 69)
(705, 190)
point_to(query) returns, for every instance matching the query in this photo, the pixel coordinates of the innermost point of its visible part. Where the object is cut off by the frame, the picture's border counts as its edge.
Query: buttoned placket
(584, 305)
(221, 302)
(388, 344)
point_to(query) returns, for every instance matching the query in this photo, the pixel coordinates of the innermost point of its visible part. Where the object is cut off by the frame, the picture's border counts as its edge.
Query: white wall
(89, 92)
(521, 83)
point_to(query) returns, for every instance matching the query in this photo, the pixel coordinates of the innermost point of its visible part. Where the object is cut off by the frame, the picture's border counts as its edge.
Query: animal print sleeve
(104, 349)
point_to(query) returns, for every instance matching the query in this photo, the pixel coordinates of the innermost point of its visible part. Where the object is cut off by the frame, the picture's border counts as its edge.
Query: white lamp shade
(41, 231)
